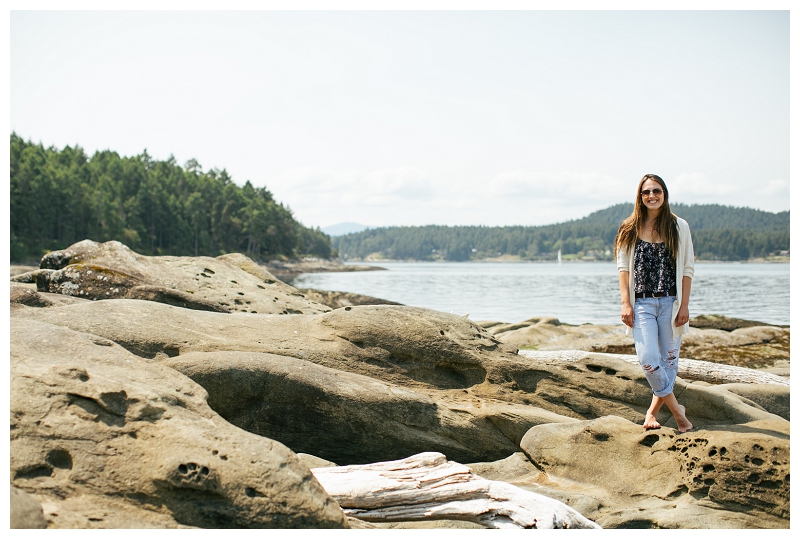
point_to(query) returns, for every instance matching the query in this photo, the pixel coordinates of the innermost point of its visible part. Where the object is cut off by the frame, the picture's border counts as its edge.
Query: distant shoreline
(772, 260)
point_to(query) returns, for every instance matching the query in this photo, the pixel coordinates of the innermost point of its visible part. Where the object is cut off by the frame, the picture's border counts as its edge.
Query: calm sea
(575, 293)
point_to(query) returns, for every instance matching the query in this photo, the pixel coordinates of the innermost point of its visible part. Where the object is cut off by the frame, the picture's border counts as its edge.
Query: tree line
(59, 197)
(718, 232)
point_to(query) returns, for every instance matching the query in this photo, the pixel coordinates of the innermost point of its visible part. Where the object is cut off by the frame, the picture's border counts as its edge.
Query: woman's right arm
(625, 293)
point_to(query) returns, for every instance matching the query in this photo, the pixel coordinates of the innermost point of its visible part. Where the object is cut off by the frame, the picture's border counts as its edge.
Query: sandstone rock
(751, 345)
(337, 300)
(21, 294)
(98, 431)
(406, 345)
(718, 321)
(350, 418)
(733, 468)
(26, 511)
(444, 358)
(228, 283)
(17, 269)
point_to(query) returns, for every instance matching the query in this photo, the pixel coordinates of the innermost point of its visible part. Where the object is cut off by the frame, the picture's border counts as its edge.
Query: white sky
(423, 117)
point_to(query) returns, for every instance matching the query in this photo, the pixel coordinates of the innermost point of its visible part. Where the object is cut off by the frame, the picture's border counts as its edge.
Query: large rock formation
(352, 418)
(451, 363)
(737, 468)
(107, 439)
(227, 283)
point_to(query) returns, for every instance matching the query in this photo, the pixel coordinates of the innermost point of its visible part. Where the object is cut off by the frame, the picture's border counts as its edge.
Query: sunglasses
(657, 192)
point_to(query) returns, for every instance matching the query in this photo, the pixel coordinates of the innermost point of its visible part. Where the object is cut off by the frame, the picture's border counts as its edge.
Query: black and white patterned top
(653, 268)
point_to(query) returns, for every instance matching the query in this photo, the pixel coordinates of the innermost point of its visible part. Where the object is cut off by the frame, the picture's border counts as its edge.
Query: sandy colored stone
(337, 300)
(227, 283)
(734, 467)
(89, 419)
(351, 418)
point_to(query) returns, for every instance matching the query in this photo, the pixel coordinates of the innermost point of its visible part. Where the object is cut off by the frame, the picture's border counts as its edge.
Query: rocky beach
(186, 392)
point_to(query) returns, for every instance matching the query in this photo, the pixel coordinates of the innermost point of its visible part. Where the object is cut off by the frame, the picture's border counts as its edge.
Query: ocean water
(575, 293)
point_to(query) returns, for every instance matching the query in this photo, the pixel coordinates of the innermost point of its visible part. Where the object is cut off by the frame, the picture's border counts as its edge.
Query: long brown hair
(666, 222)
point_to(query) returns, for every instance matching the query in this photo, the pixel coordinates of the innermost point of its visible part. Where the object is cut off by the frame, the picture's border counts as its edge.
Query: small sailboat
(559, 256)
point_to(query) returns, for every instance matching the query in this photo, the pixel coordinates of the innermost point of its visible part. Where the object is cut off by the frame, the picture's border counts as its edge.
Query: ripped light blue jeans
(656, 349)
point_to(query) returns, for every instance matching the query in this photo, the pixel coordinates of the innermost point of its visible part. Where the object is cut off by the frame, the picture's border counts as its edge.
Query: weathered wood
(688, 369)
(429, 487)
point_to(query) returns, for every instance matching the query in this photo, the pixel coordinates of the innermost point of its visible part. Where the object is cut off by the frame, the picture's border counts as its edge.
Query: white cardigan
(684, 267)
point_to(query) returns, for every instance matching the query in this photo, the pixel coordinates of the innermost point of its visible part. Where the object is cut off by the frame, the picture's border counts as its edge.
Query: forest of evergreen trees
(718, 233)
(154, 207)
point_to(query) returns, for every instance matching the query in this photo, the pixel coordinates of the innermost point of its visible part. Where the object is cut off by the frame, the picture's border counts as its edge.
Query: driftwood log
(429, 487)
(688, 369)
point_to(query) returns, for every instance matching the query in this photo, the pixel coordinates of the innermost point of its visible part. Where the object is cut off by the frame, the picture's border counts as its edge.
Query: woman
(655, 259)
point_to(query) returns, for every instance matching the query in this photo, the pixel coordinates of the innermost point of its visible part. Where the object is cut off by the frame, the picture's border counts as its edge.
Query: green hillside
(59, 197)
(719, 233)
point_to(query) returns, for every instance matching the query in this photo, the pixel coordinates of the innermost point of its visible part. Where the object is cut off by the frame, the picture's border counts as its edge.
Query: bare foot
(683, 423)
(650, 421)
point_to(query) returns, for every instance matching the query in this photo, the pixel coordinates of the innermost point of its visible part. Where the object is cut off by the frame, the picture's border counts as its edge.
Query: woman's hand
(683, 316)
(627, 314)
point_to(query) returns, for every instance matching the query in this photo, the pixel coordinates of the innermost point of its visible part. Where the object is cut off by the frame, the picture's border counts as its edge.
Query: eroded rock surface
(351, 418)
(227, 283)
(446, 359)
(733, 468)
(117, 441)
(337, 300)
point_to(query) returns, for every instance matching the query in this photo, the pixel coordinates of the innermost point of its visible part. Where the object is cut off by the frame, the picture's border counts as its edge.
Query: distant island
(722, 233)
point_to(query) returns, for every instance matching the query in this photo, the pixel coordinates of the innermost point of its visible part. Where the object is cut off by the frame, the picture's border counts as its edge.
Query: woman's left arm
(683, 310)
(686, 281)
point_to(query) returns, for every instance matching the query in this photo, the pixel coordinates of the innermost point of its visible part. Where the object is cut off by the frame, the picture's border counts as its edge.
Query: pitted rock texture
(91, 421)
(735, 468)
(445, 358)
(227, 283)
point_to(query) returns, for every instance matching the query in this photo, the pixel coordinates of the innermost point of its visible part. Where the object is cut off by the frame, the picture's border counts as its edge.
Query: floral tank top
(653, 268)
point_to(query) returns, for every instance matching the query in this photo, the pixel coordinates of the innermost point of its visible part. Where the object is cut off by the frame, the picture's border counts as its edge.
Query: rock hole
(261, 287)
(234, 282)
(95, 519)
(347, 308)
(722, 450)
(32, 472)
(204, 470)
(708, 468)
(649, 440)
(183, 469)
(172, 351)
(611, 372)
(594, 368)
(708, 481)
(240, 293)
(59, 458)
(600, 436)
(253, 493)
(712, 452)
(753, 477)
(757, 461)
(223, 457)
(208, 271)
(215, 452)
(441, 332)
